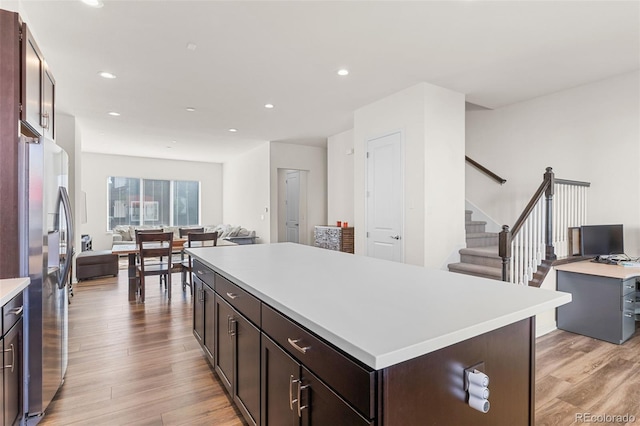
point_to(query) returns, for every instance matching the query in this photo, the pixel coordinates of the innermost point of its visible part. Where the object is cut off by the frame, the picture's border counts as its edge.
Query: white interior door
(292, 222)
(384, 193)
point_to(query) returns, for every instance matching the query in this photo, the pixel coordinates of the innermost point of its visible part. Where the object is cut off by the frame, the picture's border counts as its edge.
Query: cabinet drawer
(350, 380)
(244, 303)
(11, 313)
(203, 272)
(628, 286)
(628, 302)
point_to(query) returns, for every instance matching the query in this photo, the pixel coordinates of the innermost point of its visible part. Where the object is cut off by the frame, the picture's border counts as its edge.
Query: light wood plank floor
(139, 364)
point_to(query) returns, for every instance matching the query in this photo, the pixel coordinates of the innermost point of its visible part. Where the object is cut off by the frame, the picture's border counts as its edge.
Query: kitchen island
(343, 339)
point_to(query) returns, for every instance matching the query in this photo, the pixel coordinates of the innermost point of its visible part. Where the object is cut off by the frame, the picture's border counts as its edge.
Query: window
(134, 201)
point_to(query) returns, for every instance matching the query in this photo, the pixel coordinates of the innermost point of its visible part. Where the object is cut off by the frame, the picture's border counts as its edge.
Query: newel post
(550, 253)
(504, 250)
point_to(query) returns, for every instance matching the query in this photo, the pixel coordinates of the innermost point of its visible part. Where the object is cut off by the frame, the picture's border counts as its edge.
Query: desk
(131, 250)
(604, 300)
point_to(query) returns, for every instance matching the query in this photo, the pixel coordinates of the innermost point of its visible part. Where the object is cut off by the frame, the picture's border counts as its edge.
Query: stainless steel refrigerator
(46, 250)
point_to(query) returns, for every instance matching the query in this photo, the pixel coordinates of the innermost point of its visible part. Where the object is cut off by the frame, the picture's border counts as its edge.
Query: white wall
(340, 165)
(431, 120)
(314, 161)
(589, 133)
(96, 168)
(246, 192)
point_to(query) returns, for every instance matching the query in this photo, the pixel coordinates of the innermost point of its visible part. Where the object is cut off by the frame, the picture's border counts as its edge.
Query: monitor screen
(601, 240)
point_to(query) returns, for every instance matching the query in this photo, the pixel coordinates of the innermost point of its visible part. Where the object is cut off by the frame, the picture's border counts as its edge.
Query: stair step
(485, 256)
(482, 239)
(476, 270)
(475, 226)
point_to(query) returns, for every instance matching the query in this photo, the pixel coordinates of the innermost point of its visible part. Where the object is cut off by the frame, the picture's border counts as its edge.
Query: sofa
(126, 234)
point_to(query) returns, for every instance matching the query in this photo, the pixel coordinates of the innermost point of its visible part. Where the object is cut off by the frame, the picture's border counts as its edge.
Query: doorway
(292, 206)
(385, 200)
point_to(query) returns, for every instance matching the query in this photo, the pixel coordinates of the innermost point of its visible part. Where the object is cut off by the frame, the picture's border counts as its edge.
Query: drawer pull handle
(300, 406)
(629, 300)
(291, 400)
(13, 358)
(628, 314)
(630, 286)
(295, 345)
(199, 272)
(232, 295)
(16, 311)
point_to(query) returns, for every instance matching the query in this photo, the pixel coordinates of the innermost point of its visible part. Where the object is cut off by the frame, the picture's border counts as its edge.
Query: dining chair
(184, 231)
(196, 239)
(154, 248)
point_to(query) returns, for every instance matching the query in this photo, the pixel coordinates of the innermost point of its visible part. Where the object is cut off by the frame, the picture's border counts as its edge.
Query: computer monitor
(598, 240)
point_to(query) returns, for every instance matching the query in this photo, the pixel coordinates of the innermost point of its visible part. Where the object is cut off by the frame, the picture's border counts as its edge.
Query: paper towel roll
(479, 391)
(479, 404)
(479, 378)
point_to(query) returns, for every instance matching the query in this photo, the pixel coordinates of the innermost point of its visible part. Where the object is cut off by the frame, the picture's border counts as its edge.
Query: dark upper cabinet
(37, 89)
(47, 118)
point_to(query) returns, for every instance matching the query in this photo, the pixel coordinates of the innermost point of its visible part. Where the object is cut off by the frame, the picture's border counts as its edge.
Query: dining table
(132, 250)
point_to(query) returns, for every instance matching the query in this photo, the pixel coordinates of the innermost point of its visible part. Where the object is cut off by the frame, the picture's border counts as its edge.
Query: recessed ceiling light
(115, 114)
(191, 46)
(174, 141)
(343, 72)
(106, 74)
(233, 130)
(93, 3)
(169, 147)
(191, 109)
(268, 106)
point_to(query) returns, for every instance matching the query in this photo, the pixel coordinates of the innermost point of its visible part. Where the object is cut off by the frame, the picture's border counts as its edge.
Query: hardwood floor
(136, 364)
(576, 375)
(139, 364)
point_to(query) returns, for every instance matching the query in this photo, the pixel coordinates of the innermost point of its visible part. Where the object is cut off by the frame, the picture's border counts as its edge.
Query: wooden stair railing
(527, 248)
(484, 170)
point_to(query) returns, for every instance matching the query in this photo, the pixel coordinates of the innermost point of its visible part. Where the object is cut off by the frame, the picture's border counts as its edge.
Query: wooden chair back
(153, 245)
(202, 238)
(183, 232)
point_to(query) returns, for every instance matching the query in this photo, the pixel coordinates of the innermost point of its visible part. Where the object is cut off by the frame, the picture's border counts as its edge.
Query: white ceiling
(287, 54)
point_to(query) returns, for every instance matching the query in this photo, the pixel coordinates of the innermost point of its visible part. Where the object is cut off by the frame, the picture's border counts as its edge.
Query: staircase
(480, 258)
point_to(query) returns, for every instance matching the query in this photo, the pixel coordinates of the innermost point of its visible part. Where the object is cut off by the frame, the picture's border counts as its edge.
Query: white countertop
(10, 287)
(381, 313)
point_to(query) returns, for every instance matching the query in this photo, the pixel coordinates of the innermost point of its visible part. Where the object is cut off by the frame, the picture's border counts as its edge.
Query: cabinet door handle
(199, 272)
(16, 311)
(291, 400)
(630, 286)
(231, 325)
(294, 343)
(630, 300)
(628, 314)
(300, 406)
(13, 358)
(232, 295)
(45, 120)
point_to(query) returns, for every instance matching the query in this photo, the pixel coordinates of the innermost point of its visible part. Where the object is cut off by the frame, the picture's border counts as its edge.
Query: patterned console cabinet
(334, 238)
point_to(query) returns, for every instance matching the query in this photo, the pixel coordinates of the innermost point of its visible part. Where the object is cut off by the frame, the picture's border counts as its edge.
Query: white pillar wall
(431, 120)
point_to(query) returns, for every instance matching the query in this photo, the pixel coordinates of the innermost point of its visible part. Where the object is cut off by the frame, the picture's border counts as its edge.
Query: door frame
(402, 184)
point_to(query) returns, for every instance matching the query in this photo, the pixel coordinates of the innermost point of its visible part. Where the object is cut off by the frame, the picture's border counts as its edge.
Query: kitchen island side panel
(429, 390)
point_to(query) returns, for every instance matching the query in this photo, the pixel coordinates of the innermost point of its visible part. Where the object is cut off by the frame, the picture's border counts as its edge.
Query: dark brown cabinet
(292, 395)
(11, 373)
(12, 344)
(237, 358)
(37, 94)
(203, 316)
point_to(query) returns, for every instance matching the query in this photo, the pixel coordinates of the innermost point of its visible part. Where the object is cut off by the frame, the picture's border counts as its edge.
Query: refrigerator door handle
(63, 201)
